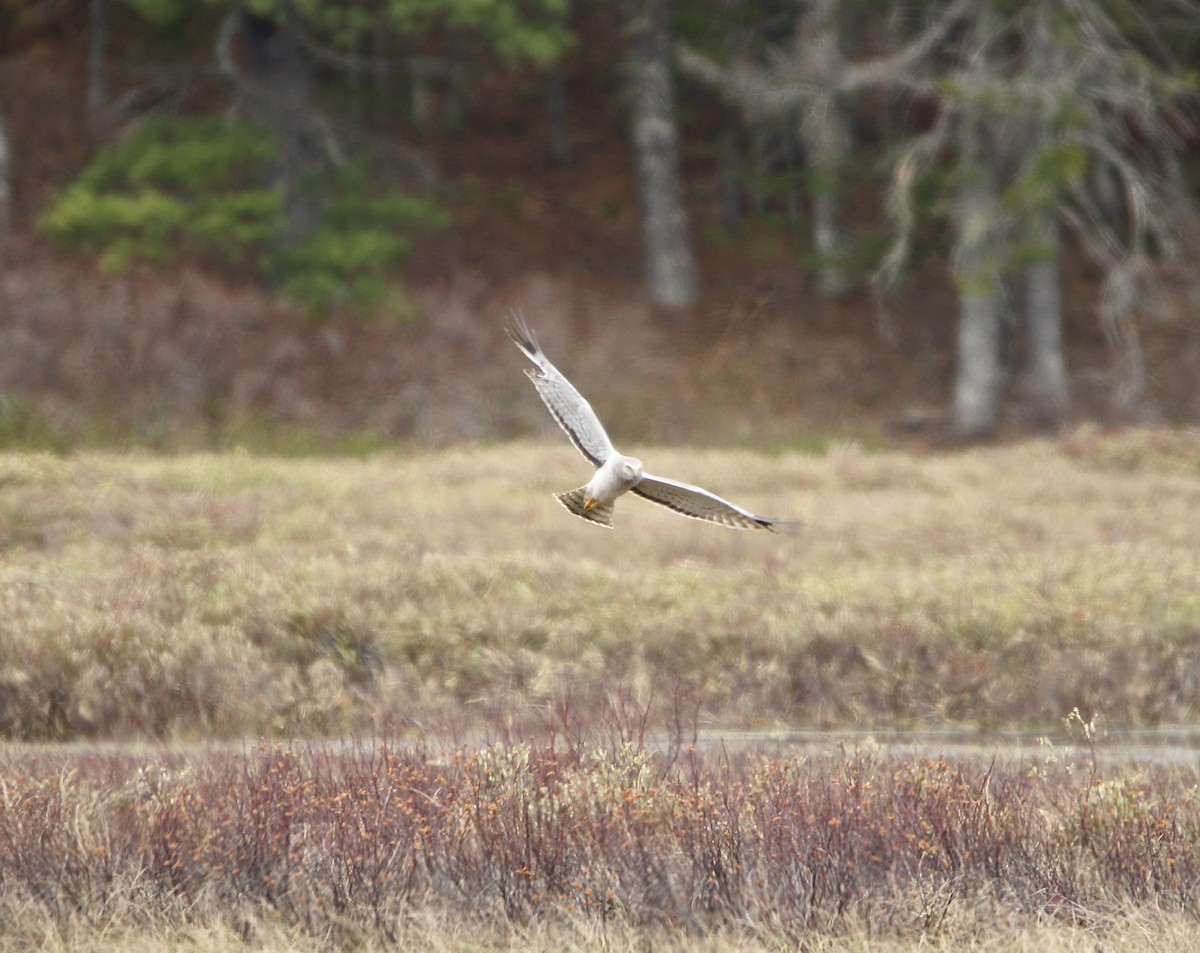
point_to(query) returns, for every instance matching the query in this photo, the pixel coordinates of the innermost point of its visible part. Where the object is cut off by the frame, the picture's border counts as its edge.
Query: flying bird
(616, 473)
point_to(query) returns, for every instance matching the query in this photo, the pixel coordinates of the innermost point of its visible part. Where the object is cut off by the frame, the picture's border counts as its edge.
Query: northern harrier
(615, 472)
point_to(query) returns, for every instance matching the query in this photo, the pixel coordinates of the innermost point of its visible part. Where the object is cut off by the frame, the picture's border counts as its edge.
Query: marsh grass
(1130, 934)
(535, 689)
(233, 595)
(589, 844)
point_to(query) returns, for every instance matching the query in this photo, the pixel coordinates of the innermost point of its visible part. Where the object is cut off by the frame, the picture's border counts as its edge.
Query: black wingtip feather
(519, 331)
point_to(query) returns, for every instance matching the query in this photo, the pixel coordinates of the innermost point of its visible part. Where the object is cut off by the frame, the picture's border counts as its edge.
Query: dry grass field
(486, 705)
(1137, 936)
(185, 597)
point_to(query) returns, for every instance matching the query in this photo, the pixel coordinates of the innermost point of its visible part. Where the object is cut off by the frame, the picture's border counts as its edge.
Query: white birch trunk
(670, 265)
(977, 385)
(976, 388)
(1046, 372)
(823, 130)
(827, 237)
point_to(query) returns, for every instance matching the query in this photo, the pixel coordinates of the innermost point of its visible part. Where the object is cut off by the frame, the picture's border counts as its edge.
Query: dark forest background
(299, 224)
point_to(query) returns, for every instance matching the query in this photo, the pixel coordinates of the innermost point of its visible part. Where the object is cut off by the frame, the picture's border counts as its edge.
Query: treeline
(283, 137)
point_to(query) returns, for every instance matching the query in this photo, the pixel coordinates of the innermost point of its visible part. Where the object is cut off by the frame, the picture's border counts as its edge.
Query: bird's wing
(699, 504)
(566, 404)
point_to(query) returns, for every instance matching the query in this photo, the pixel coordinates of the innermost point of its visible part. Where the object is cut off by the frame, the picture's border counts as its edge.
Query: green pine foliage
(204, 188)
(347, 258)
(173, 187)
(516, 30)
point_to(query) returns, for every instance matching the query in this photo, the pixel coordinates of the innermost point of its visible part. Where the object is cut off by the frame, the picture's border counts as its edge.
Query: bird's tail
(600, 514)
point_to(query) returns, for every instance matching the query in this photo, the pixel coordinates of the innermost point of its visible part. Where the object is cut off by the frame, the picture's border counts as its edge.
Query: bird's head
(631, 469)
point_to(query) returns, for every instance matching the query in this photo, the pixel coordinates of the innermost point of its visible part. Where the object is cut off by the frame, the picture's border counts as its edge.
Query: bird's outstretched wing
(699, 504)
(566, 404)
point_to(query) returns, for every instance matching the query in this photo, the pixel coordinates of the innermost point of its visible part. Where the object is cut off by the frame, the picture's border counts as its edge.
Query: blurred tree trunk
(97, 91)
(278, 93)
(820, 64)
(1046, 370)
(1045, 382)
(357, 80)
(273, 88)
(670, 265)
(6, 216)
(977, 274)
(729, 160)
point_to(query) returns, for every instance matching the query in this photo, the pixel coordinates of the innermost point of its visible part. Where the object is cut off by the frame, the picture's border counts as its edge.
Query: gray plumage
(616, 473)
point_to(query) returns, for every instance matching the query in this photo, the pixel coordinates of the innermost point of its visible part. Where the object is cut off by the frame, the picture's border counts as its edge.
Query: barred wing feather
(698, 503)
(566, 405)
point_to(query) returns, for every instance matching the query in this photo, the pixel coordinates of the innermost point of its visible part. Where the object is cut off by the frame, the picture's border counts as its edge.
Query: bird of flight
(616, 473)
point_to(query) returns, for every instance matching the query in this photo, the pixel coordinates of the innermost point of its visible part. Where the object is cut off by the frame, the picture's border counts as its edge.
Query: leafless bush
(359, 837)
